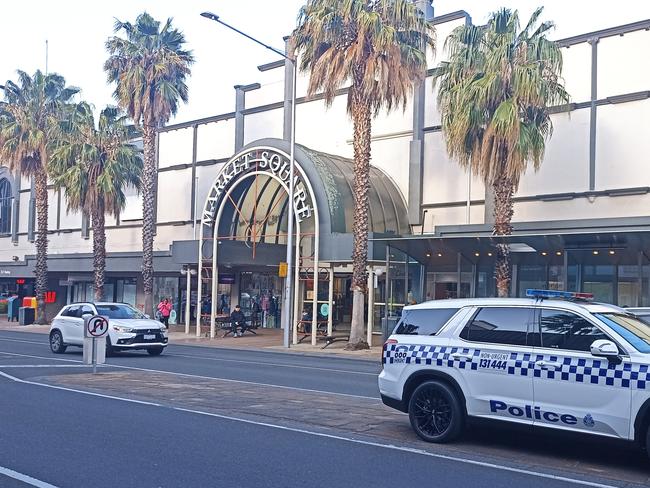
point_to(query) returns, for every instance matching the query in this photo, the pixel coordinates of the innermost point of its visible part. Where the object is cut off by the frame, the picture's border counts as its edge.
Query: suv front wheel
(435, 412)
(56, 342)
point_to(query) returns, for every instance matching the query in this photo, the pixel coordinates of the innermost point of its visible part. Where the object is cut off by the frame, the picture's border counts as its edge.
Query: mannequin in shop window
(266, 306)
(255, 313)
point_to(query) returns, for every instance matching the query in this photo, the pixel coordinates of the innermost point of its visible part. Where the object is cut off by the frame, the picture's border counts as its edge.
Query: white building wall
(622, 146)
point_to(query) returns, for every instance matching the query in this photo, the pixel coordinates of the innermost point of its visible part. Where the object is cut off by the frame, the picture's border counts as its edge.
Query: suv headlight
(121, 328)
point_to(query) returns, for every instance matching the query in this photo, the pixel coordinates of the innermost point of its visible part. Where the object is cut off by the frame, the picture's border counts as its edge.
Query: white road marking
(24, 341)
(46, 366)
(262, 363)
(38, 357)
(381, 445)
(24, 478)
(187, 375)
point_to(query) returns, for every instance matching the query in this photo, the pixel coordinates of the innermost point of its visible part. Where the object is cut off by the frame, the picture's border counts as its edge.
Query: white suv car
(571, 365)
(128, 328)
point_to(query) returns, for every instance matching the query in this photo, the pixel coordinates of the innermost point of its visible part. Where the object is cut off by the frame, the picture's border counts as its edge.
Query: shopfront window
(485, 282)
(126, 291)
(628, 286)
(531, 276)
(599, 280)
(645, 286)
(415, 282)
(556, 277)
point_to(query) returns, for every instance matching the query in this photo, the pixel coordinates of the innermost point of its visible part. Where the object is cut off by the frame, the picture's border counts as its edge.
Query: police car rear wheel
(435, 412)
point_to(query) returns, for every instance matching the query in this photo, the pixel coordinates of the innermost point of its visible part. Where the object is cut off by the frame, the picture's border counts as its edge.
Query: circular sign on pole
(97, 326)
(325, 310)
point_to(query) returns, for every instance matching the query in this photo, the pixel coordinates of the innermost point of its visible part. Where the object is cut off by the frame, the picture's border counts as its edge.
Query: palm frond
(149, 68)
(378, 47)
(493, 93)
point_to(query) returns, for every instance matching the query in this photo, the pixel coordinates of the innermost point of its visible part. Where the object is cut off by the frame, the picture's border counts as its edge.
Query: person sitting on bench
(306, 321)
(237, 319)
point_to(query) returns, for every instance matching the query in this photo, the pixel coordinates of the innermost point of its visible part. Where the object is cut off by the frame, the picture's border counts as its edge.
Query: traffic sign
(96, 326)
(283, 269)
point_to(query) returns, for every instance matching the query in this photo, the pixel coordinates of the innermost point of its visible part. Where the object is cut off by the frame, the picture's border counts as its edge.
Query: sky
(76, 31)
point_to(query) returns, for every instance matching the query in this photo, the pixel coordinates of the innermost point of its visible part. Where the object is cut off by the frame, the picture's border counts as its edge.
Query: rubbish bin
(13, 303)
(26, 315)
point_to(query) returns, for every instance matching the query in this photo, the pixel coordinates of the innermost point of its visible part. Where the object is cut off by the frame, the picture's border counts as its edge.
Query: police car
(552, 360)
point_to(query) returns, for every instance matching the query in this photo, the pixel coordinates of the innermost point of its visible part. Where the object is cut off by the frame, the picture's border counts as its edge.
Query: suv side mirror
(86, 314)
(604, 348)
(147, 316)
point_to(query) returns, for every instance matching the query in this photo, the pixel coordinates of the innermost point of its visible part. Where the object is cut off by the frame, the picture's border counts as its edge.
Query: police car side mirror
(147, 316)
(604, 348)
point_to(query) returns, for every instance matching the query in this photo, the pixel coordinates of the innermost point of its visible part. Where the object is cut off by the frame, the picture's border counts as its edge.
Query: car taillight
(390, 341)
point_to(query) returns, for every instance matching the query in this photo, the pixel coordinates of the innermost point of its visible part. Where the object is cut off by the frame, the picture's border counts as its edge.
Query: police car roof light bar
(567, 295)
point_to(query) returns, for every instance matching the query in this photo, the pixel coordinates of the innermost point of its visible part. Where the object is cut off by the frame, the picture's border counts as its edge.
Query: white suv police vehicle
(565, 364)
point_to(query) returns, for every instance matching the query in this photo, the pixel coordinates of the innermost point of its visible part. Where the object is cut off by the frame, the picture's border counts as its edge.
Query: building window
(5, 206)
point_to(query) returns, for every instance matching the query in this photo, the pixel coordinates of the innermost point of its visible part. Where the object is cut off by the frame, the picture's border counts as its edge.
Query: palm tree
(94, 165)
(493, 96)
(378, 47)
(149, 68)
(30, 116)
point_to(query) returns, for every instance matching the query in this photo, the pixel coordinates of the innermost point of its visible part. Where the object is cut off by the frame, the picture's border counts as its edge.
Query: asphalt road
(327, 374)
(69, 439)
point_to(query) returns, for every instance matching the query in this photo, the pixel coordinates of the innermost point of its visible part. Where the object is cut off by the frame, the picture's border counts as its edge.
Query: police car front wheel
(435, 412)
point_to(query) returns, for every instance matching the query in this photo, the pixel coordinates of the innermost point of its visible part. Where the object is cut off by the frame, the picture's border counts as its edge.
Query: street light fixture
(288, 287)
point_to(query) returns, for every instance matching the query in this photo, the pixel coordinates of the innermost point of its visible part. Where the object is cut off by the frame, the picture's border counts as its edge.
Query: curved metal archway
(233, 174)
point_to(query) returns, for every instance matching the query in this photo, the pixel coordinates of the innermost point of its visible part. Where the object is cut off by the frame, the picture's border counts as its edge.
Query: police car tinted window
(499, 325)
(424, 322)
(566, 330)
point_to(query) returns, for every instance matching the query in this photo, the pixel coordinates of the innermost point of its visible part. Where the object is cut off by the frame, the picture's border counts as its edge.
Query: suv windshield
(119, 311)
(633, 330)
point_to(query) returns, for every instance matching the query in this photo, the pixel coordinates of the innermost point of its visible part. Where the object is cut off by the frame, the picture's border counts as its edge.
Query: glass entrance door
(261, 293)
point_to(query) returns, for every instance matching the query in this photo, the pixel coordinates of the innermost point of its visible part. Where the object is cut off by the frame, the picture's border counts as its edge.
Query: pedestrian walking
(237, 319)
(165, 309)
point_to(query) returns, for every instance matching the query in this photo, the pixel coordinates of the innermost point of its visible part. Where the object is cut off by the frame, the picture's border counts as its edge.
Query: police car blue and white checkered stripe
(572, 369)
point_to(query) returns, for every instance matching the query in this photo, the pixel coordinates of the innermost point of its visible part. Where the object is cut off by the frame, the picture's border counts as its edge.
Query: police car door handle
(548, 365)
(459, 356)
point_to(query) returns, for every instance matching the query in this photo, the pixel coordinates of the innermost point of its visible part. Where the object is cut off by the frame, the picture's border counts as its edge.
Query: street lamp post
(288, 287)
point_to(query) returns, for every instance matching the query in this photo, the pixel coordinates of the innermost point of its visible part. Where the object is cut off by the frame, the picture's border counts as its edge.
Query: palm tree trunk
(148, 214)
(99, 250)
(503, 212)
(40, 180)
(361, 117)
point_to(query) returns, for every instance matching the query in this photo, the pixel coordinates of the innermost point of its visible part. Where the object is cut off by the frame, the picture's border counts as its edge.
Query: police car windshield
(119, 311)
(633, 330)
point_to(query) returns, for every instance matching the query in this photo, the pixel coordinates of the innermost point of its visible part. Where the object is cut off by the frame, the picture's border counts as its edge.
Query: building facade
(581, 222)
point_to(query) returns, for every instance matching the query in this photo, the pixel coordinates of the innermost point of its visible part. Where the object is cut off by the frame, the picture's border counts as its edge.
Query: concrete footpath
(265, 340)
